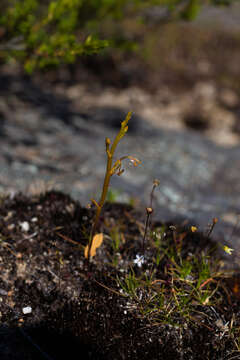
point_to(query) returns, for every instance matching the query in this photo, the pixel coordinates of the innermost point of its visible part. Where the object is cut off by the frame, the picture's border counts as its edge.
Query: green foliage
(49, 33)
(130, 285)
(192, 9)
(187, 284)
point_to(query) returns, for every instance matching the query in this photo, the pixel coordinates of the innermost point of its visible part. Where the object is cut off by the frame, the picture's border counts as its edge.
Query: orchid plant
(112, 168)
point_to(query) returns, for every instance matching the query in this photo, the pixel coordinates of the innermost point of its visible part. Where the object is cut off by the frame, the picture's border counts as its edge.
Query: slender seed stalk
(111, 169)
(214, 221)
(149, 211)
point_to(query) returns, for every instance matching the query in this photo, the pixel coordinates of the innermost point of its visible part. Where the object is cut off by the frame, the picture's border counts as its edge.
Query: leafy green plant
(185, 283)
(43, 34)
(130, 285)
(111, 169)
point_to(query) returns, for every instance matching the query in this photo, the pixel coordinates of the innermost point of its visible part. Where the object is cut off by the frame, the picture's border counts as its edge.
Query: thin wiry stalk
(149, 211)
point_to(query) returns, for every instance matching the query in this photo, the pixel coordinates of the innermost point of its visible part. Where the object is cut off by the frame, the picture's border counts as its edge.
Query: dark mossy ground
(82, 308)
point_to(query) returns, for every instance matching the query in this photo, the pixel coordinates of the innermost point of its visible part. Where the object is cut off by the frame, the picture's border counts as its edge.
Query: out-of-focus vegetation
(46, 33)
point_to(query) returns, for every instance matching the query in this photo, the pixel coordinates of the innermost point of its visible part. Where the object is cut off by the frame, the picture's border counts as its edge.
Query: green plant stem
(111, 169)
(145, 233)
(102, 199)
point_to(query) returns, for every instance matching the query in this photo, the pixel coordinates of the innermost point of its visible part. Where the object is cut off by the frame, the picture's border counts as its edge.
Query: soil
(76, 307)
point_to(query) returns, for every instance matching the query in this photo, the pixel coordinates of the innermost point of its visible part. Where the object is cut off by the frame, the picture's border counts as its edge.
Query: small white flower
(139, 260)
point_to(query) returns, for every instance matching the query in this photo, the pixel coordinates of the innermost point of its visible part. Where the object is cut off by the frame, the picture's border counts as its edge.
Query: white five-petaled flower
(139, 260)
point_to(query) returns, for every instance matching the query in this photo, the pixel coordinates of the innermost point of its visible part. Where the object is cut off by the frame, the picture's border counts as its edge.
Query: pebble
(27, 310)
(3, 292)
(25, 226)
